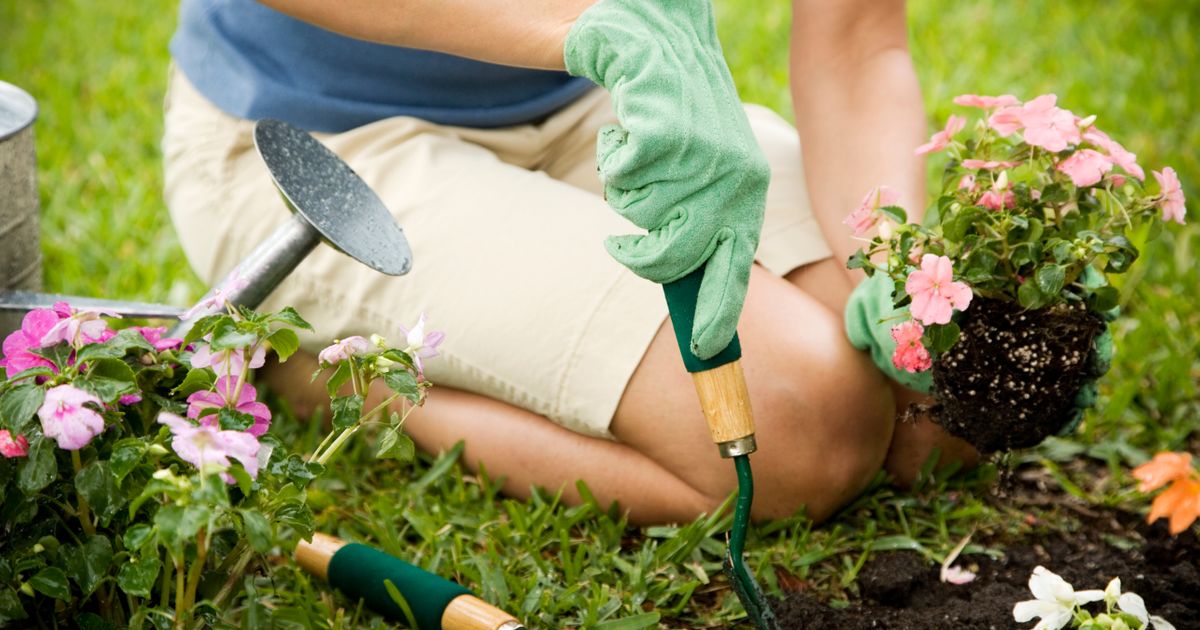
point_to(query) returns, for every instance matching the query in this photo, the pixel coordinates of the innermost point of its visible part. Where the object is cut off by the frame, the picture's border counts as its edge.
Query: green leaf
(298, 516)
(858, 260)
(10, 606)
(296, 469)
(636, 622)
(109, 379)
(285, 342)
(196, 380)
(52, 582)
(346, 410)
(1050, 279)
(87, 565)
(203, 326)
(395, 444)
(288, 315)
(895, 213)
(114, 348)
(98, 485)
(228, 335)
(340, 377)
(137, 577)
(125, 456)
(242, 478)
(400, 602)
(257, 530)
(1104, 299)
(1029, 296)
(137, 536)
(941, 337)
(18, 406)
(31, 373)
(38, 469)
(177, 525)
(404, 383)
(231, 420)
(957, 227)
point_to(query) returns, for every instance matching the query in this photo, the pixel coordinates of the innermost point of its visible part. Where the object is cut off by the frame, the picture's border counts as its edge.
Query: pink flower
(13, 447)
(1006, 120)
(934, 292)
(343, 349)
(910, 353)
(967, 182)
(988, 165)
(84, 326)
(208, 448)
(956, 575)
(18, 345)
(129, 399)
(1119, 154)
(1046, 126)
(65, 418)
(154, 335)
(995, 200)
(224, 397)
(867, 215)
(421, 345)
(941, 139)
(1085, 167)
(227, 362)
(217, 297)
(1172, 195)
(986, 102)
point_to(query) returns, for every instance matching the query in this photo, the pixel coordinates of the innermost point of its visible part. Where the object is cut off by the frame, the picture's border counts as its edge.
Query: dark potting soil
(900, 590)
(1011, 379)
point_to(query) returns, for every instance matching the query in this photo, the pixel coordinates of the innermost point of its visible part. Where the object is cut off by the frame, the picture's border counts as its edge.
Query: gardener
(559, 363)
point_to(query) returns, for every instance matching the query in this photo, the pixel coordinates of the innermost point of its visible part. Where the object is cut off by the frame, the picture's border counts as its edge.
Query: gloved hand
(869, 318)
(683, 164)
(1099, 361)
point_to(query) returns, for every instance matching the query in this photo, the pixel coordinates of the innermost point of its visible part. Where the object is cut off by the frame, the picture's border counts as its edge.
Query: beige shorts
(506, 228)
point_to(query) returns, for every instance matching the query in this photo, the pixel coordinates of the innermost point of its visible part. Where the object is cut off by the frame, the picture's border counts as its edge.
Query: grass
(98, 71)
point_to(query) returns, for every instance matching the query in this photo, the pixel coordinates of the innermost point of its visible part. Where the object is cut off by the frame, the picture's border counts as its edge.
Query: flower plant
(1036, 208)
(1056, 604)
(139, 477)
(1180, 502)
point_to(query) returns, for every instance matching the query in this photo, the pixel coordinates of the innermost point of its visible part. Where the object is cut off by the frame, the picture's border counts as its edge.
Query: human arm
(526, 33)
(858, 109)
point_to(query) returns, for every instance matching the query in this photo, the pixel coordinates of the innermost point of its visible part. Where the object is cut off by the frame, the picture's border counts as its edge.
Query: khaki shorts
(506, 227)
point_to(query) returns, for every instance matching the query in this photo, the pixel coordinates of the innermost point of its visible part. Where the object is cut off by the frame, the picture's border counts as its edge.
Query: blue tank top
(254, 62)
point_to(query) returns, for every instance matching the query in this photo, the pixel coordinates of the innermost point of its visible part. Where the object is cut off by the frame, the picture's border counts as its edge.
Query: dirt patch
(1011, 379)
(901, 590)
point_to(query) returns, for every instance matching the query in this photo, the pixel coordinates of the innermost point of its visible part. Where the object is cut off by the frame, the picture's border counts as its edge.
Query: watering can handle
(720, 383)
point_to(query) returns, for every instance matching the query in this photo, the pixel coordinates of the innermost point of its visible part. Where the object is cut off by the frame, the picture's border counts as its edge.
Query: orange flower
(1164, 468)
(1180, 502)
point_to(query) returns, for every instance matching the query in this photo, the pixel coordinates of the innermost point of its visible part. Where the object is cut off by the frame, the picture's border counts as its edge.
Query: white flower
(1133, 604)
(1055, 600)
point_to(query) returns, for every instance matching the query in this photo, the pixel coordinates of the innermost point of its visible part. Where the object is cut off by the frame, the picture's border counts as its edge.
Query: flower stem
(180, 588)
(338, 443)
(84, 512)
(193, 579)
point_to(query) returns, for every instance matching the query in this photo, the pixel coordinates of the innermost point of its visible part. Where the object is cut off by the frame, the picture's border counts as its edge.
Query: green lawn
(98, 70)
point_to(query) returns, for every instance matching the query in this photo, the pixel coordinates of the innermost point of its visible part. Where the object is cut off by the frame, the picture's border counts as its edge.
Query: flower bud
(384, 364)
(163, 473)
(1087, 122)
(379, 341)
(1002, 181)
(885, 230)
(27, 589)
(157, 449)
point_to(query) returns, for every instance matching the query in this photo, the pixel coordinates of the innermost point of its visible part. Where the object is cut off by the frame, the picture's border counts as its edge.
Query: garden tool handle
(360, 572)
(720, 383)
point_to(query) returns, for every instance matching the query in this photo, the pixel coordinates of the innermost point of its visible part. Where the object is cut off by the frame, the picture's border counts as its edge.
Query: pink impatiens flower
(941, 139)
(1119, 154)
(1006, 120)
(154, 335)
(67, 420)
(13, 447)
(227, 362)
(1172, 195)
(867, 215)
(224, 397)
(420, 345)
(934, 292)
(986, 102)
(18, 346)
(910, 354)
(967, 182)
(988, 164)
(209, 448)
(1085, 167)
(1047, 126)
(343, 349)
(216, 298)
(84, 326)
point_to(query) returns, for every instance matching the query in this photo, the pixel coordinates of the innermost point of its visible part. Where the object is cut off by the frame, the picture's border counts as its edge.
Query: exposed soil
(901, 590)
(1012, 378)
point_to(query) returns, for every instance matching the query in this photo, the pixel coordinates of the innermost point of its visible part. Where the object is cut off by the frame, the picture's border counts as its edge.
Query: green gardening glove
(683, 164)
(1098, 363)
(869, 318)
